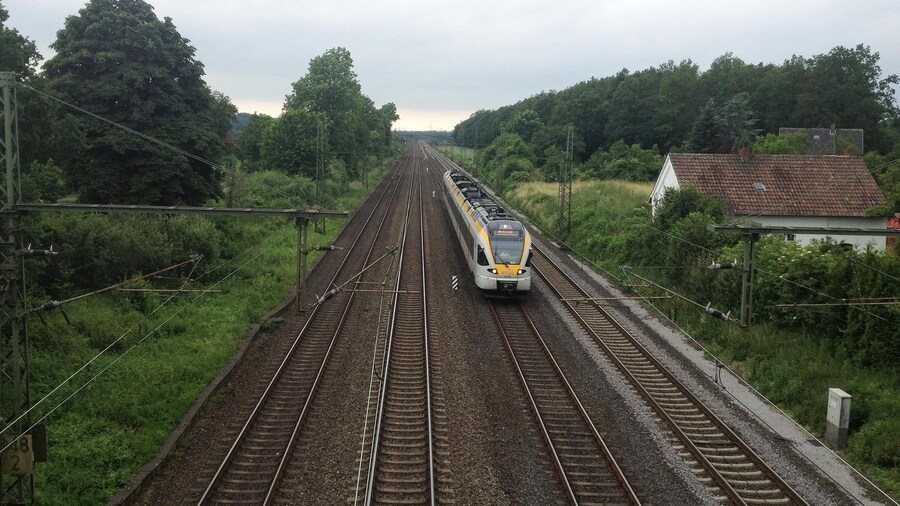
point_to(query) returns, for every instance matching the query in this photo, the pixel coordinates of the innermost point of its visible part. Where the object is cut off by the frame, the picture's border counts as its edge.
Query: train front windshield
(507, 242)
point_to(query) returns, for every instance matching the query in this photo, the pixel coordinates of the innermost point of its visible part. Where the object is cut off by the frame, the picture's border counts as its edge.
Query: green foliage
(677, 204)
(271, 188)
(289, 144)
(664, 105)
(792, 144)
(43, 182)
(17, 52)
(100, 250)
(707, 135)
(524, 124)
(117, 59)
(507, 161)
(878, 443)
(331, 92)
(630, 163)
(887, 174)
(250, 140)
(737, 121)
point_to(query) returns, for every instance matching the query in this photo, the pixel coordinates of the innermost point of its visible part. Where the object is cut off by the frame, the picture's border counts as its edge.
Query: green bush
(877, 443)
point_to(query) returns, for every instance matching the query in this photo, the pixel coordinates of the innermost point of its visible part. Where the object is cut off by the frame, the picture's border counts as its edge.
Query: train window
(506, 251)
(482, 258)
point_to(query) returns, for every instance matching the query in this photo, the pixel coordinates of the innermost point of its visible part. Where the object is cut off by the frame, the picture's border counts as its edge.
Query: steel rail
(604, 453)
(232, 452)
(396, 315)
(721, 481)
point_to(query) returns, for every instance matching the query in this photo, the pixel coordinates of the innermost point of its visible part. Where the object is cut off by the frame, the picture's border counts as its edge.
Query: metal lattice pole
(17, 484)
(564, 221)
(320, 173)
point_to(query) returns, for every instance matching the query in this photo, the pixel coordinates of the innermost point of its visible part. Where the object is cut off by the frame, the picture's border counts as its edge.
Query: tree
(525, 124)
(737, 122)
(250, 139)
(793, 144)
(631, 163)
(289, 144)
(707, 135)
(330, 88)
(677, 103)
(44, 134)
(116, 59)
(17, 53)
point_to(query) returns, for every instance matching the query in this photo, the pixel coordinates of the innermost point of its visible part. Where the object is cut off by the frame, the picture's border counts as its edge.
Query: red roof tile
(794, 185)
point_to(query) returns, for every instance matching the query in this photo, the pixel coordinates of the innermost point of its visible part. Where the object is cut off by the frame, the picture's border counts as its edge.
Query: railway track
(401, 465)
(586, 468)
(255, 462)
(726, 465)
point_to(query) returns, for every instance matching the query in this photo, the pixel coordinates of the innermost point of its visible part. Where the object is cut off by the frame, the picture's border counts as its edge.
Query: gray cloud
(440, 61)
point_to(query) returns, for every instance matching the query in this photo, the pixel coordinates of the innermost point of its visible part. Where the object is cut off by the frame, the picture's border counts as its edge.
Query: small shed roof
(781, 185)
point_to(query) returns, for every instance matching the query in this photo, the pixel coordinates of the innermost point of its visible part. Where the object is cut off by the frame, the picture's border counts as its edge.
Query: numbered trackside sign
(18, 458)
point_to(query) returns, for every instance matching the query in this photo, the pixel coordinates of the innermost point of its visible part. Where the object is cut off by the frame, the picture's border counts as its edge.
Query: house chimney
(745, 153)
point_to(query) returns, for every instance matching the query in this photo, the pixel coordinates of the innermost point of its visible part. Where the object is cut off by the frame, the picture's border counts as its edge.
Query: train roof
(483, 206)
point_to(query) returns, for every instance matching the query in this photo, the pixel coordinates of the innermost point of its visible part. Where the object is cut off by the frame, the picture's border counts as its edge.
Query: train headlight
(520, 272)
(492, 271)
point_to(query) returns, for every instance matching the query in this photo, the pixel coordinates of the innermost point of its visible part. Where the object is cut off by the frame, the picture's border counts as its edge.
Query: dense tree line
(678, 107)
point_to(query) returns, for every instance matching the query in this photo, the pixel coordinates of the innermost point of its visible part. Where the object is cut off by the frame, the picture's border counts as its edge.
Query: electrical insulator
(715, 313)
(725, 265)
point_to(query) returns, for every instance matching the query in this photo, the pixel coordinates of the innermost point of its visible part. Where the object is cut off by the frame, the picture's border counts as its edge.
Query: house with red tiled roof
(782, 191)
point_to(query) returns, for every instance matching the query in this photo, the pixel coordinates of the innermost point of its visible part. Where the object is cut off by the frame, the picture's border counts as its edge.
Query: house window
(790, 237)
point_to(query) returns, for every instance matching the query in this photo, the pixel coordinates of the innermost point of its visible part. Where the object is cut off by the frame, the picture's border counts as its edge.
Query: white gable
(666, 179)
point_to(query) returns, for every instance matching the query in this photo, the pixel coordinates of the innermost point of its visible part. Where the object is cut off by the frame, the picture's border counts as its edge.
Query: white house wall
(860, 241)
(666, 179)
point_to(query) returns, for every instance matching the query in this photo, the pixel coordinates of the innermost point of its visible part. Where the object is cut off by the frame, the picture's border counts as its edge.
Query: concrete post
(838, 419)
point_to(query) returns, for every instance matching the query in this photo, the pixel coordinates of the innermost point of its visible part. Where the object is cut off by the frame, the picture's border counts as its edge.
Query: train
(497, 247)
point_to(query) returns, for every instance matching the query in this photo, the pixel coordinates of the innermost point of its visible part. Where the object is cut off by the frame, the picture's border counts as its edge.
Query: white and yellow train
(496, 246)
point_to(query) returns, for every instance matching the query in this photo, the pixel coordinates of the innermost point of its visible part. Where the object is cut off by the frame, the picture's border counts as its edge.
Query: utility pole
(564, 221)
(17, 480)
(320, 173)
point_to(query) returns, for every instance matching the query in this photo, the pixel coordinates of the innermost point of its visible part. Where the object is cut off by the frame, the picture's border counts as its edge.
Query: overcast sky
(441, 61)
